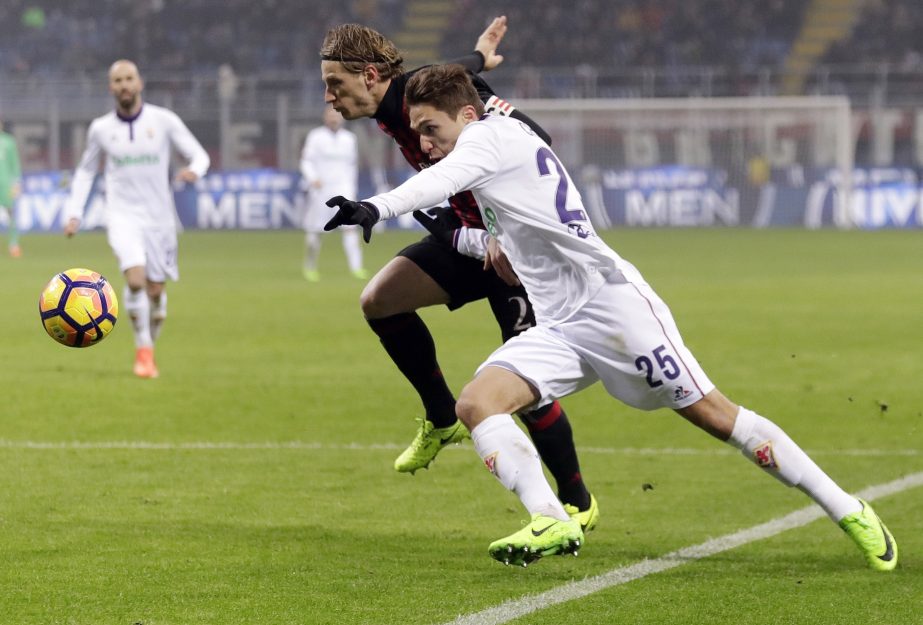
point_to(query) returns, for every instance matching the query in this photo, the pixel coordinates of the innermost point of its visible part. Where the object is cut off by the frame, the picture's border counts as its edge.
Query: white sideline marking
(308, 445)
(515, 608)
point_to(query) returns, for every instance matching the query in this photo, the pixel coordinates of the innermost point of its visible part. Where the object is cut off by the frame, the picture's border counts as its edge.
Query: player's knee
(378, 301)
(154, 290)
(469, 408)
(372, 302)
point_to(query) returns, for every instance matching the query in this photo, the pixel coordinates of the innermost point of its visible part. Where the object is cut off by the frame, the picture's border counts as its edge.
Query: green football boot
(427, 443)
(587, 518)
(544, 536)
(872, 537)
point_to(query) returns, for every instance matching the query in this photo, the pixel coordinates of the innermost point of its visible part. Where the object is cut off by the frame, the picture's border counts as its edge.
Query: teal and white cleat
(427, 443)
(872, 538)
(588, 518)
(544, 536)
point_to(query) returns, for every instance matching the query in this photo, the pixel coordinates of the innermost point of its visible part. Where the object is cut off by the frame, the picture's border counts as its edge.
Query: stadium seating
(583, 48)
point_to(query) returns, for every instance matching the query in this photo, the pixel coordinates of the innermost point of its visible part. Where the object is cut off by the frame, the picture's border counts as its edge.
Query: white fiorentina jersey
(530, 204)
(137, 153)
(331, 158)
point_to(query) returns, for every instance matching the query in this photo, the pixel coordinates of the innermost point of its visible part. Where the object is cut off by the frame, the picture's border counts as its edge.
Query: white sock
(352, 249)
(511, 457)
(138, 306)
(311, 250)
(763, 442)
(158, 314)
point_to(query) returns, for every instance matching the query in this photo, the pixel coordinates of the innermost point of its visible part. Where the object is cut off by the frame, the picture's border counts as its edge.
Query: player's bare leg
(548, 426)
(485, 406)
(389, 302)
(770, 448)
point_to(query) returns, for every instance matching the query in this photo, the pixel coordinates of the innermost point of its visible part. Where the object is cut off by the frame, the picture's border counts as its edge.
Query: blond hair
(357, 46)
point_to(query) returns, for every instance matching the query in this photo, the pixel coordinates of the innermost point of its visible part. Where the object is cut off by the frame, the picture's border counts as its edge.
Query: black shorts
(465, 280)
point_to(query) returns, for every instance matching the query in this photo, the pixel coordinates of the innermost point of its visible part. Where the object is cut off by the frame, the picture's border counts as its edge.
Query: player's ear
(469, 114)
(371, 75)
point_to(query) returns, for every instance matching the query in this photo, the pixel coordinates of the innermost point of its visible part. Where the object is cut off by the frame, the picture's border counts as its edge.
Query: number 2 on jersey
(560, 198)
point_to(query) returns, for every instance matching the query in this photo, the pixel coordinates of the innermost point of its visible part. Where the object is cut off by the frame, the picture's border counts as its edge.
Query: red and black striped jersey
(393, 118)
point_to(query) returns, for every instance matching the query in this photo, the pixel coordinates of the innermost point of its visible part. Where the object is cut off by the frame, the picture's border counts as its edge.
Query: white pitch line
(516, 608)
(308, 445)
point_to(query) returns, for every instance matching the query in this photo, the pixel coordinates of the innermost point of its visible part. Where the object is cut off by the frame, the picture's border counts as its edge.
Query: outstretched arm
(488, 42)
(485, 57)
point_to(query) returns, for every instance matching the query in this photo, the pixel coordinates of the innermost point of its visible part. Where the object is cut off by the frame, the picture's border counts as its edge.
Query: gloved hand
(440, 227)
(350, 212)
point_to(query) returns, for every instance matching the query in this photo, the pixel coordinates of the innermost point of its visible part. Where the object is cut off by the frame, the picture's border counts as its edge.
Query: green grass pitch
(252, 482)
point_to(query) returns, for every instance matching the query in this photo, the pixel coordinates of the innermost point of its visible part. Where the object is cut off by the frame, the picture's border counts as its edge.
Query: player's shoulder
(500, 127)
(106, 119)
(162, 112)
(162, 116)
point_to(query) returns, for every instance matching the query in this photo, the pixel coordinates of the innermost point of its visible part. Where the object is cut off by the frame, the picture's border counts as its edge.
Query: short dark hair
(356, 46)
(446, 88)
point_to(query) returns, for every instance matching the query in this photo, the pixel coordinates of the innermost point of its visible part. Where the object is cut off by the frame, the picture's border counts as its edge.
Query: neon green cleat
(311, 275)
(588, 518)
(544, 536)
(427, 443)
(360, 274)
(872, 537)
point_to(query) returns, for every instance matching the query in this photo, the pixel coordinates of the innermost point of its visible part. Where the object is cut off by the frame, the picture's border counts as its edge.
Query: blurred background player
(364, 77)
(10, 187)
(598, 320)
(136, 139)
(329, 165)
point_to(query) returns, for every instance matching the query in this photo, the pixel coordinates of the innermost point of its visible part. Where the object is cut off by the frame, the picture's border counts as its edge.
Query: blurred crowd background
(244, 75)
(607, 48)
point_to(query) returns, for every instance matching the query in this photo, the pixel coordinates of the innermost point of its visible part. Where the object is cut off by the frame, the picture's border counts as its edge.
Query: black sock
(407, 340)
(551, 432)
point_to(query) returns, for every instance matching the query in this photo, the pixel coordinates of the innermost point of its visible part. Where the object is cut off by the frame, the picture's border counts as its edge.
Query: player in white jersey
(597, 320)
(136, 140)
(329, 165)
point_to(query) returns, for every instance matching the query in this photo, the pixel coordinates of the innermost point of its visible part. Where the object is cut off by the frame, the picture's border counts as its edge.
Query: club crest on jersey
(764, 456)
(491, 463)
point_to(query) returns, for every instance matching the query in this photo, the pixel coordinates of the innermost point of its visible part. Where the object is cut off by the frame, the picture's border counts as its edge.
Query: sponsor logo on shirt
(140, 159)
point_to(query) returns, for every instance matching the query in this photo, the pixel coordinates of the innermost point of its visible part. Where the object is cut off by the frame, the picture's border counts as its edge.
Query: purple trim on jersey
(675, 351)
(130, 121)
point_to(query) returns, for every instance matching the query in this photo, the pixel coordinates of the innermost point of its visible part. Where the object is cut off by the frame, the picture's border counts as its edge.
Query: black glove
(349, 213)
(442, 227)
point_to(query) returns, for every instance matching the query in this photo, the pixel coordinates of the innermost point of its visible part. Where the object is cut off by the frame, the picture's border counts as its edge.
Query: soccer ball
(78, 308)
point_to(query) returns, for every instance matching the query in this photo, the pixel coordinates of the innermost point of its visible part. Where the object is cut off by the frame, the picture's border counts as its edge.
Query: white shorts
(625, 336)
(154, 249)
